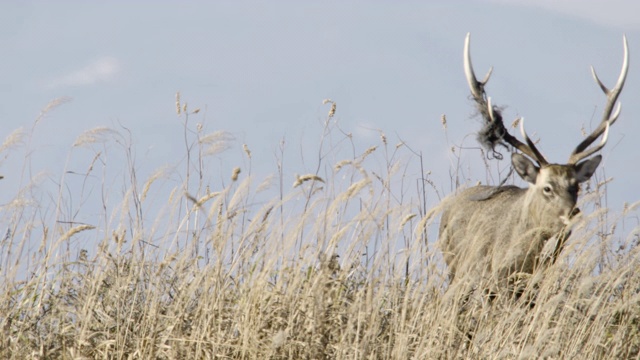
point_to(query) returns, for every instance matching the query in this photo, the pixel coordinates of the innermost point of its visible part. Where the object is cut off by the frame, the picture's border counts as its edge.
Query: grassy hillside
(338, 263)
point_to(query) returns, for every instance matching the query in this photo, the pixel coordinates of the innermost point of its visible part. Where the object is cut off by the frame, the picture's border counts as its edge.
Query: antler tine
(607, 117)
(492, 116)
(594, 149)
(537, 155)
(477, 87)
(483, 101)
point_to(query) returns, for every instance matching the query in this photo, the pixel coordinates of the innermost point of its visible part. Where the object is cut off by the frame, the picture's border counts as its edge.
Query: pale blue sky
(262, 69)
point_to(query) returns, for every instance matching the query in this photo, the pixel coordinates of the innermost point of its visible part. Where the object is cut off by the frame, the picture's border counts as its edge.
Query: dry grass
(213, 273)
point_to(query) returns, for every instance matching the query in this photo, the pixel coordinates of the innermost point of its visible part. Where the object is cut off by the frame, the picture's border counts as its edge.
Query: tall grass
(332, 264)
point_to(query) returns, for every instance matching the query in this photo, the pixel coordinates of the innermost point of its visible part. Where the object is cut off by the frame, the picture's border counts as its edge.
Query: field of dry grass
(339, 263)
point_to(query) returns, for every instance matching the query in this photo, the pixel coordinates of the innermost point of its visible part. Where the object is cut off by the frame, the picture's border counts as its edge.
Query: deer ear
(585, 169)
(527, 170)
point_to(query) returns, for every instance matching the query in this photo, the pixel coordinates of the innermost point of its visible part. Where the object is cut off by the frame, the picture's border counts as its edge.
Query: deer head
(553, 187)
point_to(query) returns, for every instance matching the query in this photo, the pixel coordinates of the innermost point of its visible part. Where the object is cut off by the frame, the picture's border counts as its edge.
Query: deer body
(474, 243)
(489, 232)
(498, 231)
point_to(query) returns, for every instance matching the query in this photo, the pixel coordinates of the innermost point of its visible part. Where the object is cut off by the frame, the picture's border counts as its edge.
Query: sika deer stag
(489, 232)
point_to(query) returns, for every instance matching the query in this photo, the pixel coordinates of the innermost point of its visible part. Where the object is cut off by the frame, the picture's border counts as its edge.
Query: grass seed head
(305, 178)
(235, 173)
(75, 230)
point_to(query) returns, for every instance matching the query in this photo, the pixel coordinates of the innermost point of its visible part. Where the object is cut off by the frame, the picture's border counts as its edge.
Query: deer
(497, 232)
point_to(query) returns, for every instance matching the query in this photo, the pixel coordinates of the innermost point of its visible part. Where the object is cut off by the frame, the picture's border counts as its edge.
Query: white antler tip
(524, 133)
(490, 109)
(606, 134)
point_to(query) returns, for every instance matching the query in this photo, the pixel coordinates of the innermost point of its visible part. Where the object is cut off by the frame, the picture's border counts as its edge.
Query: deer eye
(547, 190)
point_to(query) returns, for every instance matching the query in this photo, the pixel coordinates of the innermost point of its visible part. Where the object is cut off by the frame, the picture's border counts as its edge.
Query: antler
(608, 119)
(492, 115)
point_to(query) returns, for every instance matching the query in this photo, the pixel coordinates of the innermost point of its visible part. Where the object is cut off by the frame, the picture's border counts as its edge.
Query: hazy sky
(262, 69)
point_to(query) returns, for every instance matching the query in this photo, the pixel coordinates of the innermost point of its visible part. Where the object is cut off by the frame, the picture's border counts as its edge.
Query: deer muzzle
(573, 214)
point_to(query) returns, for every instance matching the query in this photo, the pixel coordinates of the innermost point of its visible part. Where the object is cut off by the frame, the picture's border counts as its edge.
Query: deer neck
(532, 208)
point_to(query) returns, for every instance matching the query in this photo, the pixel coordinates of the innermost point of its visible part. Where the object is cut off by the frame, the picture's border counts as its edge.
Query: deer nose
(566, 219)
(574, 212)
